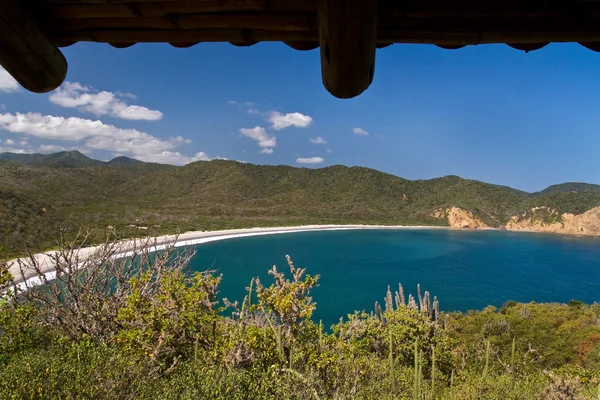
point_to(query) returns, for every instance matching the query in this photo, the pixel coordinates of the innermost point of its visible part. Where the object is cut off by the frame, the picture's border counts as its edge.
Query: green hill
(517, 351)
(63, 159)
(24, 223)
(123, 161)
(67, 159)
(222, 194)
(22, 158)
(571, 187)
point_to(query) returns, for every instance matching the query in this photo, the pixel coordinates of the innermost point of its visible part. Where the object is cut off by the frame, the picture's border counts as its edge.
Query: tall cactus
(401, 292)
(389, 305)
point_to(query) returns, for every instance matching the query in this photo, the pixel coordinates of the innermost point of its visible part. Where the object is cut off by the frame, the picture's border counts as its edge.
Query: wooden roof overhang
(348, 32)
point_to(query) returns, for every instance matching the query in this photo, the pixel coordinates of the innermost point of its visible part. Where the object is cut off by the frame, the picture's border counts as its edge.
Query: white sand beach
(45, 260)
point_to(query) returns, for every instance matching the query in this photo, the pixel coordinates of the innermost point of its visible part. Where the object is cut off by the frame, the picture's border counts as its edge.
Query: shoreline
(192, 238)
(44, 260)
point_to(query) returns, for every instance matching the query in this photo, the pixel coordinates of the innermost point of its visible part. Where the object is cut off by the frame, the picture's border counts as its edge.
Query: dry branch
(86, 294)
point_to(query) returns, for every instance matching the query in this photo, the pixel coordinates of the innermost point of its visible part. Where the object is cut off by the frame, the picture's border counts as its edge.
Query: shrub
(141, 328)
(171, 321)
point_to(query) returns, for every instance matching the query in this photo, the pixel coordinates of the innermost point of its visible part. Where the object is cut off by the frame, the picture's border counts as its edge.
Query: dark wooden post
(27, 53)
(348, 39)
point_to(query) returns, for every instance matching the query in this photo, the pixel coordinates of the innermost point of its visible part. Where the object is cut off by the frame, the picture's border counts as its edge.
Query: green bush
(177, 341)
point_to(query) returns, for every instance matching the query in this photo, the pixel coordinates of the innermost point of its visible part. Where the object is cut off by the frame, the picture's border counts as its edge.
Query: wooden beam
(527, 47)
(303, 46)
(271, 21)
(121, 45)
(247, 43)
(65, 43)
(488, 8)
(594, 46)
(443, 38)
(162, 7)
(389, 9)
(450, 46)
(26, 53)
(183, 45)
(472, 37)
(348, 40)
(180, 35)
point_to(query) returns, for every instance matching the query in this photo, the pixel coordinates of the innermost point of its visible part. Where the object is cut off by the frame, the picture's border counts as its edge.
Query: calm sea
(465, 269)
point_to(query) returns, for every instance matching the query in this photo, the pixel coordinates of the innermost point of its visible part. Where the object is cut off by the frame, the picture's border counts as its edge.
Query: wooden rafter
(348, 40)
(27, 53)
(348, 31)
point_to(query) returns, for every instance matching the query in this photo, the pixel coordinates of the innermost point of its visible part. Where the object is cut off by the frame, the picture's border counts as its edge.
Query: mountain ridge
(569, 187)
(222, 194)
(76, 159)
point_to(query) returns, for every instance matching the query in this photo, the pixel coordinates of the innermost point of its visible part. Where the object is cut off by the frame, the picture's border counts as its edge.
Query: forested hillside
(225, 194)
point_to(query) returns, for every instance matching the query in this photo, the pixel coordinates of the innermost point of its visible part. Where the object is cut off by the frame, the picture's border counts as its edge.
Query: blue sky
(490, 112)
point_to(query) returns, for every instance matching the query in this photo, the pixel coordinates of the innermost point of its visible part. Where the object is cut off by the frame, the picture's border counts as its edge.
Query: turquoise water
(465, 269)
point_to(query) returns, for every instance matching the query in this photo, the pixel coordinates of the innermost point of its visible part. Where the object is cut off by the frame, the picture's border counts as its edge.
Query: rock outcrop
(459, 218)
(537, 219)
(544, 219)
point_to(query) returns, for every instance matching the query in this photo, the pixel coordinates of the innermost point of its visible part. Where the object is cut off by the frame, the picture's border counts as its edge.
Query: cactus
(512, 358)
(487, 361)
(436, 310)
(401, 292)
(416, 393)
(389, 305)
(391, 361)
(412, 304)
(433, 372)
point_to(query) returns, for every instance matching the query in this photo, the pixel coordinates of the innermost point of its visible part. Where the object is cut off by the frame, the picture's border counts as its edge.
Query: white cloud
(318, 140)
(281, 121)
(259, 134)
(85, 98)
(266, 151)
(174, 157)
(97, 135)
(51, 148)
(13, 150)
(61, 128)
(23, 143)
(329, 151)
(7, 82)
(237, 103)
(126, 94)
(310, 160)
(360, 131)
(9, 142)
(253, 111)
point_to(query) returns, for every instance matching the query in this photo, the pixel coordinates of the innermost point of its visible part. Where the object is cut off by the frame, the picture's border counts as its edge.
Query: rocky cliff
(545, 219)
(459, 218)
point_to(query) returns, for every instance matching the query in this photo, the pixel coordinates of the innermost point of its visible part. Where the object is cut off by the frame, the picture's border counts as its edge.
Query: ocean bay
(464, 269)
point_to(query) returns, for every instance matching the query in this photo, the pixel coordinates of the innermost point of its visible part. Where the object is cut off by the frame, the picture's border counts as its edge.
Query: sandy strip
(185, 239)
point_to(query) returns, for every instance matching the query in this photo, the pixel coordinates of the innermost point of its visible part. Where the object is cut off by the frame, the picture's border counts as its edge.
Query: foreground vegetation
(144, 329)
(43, 192)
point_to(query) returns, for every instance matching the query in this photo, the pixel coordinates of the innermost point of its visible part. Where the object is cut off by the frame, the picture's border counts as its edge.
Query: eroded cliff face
(545, 219)
(538, 219)
(459, 218)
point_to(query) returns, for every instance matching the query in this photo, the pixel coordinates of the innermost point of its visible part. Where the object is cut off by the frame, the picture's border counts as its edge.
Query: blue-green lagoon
(465, 269)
